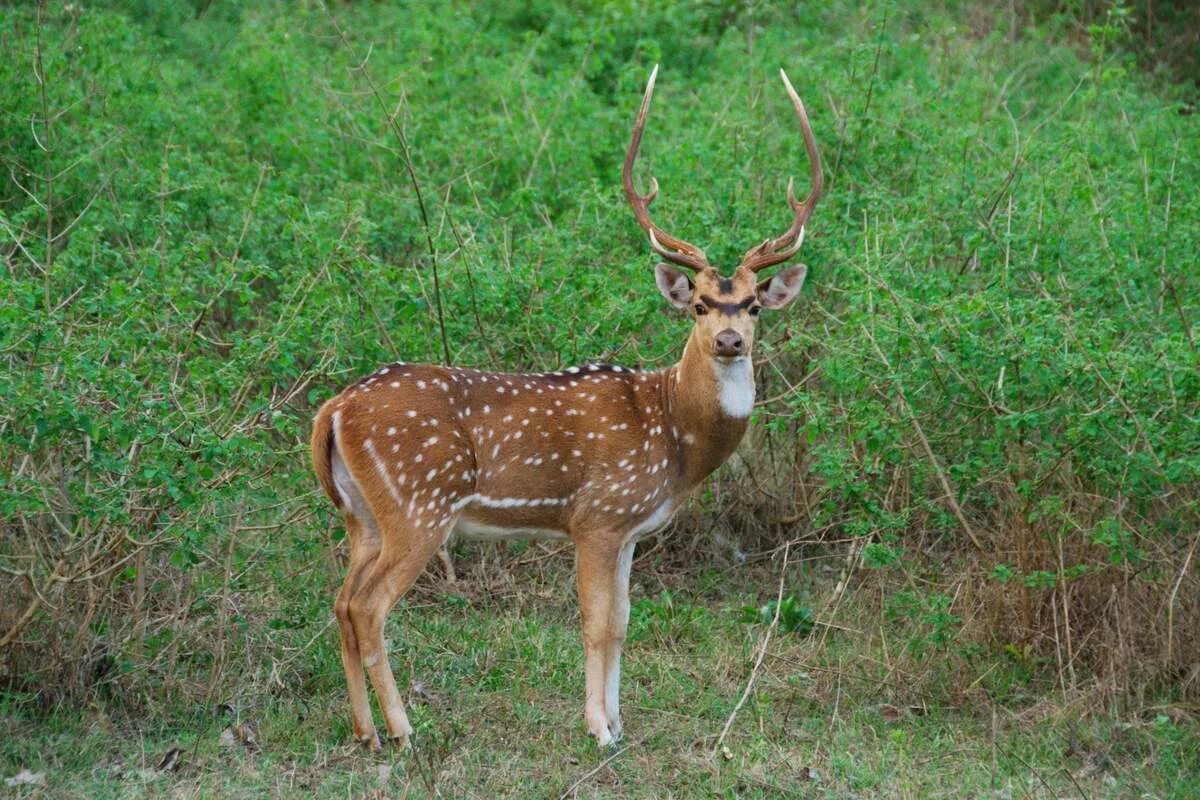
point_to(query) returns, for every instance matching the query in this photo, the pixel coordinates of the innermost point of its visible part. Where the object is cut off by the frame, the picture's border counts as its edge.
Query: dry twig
(762, 651)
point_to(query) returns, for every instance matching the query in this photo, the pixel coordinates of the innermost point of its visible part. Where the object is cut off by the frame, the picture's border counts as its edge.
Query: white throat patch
(736, 391)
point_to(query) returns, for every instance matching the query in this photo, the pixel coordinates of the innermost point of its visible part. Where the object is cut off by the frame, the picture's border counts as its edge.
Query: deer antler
(666, 245)
(773, 251)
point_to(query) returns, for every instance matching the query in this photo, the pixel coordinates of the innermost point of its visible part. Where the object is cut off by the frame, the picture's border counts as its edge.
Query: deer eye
(700, 309)
(754, 310)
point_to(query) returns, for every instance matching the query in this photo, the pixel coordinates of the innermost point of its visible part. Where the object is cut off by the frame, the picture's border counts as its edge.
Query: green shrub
(207, 230)
(793, 617)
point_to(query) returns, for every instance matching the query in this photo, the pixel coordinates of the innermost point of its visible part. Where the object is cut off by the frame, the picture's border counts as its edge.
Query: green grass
(498, 715)
(984, 403)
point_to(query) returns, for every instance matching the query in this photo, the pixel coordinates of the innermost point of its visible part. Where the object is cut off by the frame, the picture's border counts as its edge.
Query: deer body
(506, 454)
(602, 455)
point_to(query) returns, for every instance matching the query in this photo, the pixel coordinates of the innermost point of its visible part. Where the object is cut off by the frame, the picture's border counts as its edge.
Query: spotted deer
(600, 455)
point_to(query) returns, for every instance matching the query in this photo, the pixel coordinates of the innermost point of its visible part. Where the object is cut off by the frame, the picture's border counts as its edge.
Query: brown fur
(322, 445)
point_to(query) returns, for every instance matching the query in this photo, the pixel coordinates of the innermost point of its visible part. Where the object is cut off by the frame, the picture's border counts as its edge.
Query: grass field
(976, 431)
(495, 692)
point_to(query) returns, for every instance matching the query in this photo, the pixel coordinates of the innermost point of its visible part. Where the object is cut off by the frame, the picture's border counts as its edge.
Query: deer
(600, 455)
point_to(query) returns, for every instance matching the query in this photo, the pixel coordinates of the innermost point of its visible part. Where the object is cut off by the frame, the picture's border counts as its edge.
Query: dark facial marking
(726, 285)
(728, 309)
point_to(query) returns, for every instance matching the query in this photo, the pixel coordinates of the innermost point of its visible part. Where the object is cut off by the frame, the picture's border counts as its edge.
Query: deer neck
(709, 402)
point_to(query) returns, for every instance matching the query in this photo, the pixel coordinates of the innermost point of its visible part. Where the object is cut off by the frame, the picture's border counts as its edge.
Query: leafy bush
(208, 229)
(793, 617)
(667, 617)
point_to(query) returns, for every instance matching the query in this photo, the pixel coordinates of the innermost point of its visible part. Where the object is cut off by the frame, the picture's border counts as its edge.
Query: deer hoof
(602, 733)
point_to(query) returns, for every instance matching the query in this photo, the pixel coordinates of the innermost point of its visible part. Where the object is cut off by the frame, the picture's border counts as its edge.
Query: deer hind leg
(447, 564)
(407, 548)
(596, 564)
(364, 547)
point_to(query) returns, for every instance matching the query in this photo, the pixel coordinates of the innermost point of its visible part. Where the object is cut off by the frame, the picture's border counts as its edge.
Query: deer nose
(729, 343)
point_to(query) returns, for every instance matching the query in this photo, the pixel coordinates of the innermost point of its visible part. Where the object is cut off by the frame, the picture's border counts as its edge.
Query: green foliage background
(207, 229)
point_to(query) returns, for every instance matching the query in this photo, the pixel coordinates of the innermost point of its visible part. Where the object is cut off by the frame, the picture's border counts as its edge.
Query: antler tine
(773, 251)
(663, 243)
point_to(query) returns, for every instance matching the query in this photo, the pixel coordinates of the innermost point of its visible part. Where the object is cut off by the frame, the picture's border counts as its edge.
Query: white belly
(481, 531)
(661, 516)
(478, 530)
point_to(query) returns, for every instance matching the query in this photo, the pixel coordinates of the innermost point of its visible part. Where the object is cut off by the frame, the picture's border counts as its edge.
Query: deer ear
(674, 285)
(781, 289)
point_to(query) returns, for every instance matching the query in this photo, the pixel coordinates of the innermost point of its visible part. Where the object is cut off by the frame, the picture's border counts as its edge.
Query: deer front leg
(596, 560)
(618, 625)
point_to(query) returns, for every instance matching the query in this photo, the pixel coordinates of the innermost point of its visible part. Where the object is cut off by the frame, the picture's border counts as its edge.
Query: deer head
(726, 308)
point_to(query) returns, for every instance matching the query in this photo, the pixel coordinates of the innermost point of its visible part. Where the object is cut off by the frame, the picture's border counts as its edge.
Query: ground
(495, 683)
